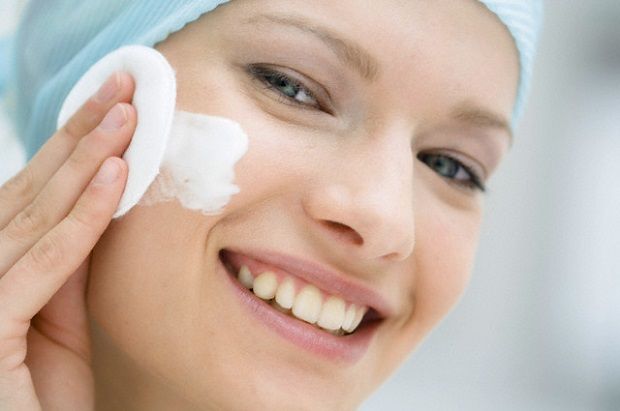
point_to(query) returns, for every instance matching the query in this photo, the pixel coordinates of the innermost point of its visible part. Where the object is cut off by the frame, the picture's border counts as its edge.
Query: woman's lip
(347, 349)
(328, 280)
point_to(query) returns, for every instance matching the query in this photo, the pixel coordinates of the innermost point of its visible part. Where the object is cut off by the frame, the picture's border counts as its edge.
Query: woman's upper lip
(329, 280)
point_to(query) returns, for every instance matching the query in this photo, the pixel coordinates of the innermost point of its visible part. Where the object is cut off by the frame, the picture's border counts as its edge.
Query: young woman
(374, 128)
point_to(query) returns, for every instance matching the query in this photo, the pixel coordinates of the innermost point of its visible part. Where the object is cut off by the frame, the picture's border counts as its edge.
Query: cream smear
(198, 165)
(173, 154)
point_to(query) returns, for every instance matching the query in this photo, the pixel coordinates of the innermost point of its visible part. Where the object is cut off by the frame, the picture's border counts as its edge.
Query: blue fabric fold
(6, 58)
(57, 41)
(524, 19)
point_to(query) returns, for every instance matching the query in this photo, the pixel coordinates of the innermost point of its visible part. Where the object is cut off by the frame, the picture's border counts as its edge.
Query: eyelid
(477, 172)
(475, 182)
(475, 178)
(318, 91)
(471, 163)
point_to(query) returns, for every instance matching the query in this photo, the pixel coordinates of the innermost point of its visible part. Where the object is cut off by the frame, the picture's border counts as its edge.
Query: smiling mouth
(300, 300)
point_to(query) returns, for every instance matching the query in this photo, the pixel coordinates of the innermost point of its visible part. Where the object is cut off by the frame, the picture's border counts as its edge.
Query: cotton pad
(174, 154)
(154, 100)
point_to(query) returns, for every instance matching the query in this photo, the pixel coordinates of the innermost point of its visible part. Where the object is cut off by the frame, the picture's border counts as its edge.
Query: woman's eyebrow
(350, 53)
(355, 57)
(478, 116)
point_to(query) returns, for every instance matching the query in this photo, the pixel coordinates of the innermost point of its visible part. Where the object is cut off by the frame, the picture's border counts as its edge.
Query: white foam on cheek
(198, 164)
(173, 154)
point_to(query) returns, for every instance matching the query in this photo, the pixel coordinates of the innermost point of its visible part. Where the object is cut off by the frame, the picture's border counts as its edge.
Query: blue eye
(453, 170)
(292, 92)
(288, 90)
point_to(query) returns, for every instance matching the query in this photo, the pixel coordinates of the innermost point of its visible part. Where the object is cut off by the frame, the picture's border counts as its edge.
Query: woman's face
(357, 170)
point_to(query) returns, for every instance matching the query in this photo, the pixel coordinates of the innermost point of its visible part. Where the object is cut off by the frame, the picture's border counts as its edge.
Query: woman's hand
(51, 216)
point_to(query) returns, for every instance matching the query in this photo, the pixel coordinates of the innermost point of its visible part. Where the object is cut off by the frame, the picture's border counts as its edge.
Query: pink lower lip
(347, 349)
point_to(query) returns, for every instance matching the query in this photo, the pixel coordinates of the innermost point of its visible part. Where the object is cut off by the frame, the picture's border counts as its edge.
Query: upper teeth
(308, 304)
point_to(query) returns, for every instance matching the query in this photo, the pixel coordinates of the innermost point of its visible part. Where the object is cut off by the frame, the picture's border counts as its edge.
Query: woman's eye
(286, 88)
(453, 169)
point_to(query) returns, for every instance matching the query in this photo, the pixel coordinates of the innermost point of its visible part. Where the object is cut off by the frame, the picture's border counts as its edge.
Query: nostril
(345, 231)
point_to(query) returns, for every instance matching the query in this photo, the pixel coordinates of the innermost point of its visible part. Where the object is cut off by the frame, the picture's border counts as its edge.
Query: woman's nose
(366, 205)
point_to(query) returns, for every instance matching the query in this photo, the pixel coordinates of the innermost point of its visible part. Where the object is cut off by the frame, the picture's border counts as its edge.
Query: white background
(11, 154)
(539, 327)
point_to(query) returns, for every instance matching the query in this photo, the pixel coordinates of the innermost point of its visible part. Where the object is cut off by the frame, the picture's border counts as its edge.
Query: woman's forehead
(409, 23)
(430, 49)
(89, 30)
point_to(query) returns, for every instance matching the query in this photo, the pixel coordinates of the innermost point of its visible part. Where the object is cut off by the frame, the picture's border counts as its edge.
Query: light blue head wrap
(57, 41)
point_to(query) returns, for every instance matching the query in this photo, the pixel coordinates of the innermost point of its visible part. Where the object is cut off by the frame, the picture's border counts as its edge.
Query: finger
(64, 318)
(16, 193)
(59, 195)
(39, 274)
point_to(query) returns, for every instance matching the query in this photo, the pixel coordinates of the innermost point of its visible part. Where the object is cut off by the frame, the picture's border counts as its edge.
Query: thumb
(64, 317)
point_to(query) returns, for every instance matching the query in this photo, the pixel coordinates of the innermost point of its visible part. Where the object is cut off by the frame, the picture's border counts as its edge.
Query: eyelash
(263, 74)
(474, 183)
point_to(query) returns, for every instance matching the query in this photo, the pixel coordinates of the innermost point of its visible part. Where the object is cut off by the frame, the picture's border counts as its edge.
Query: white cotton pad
(154, 100)
(173, 155)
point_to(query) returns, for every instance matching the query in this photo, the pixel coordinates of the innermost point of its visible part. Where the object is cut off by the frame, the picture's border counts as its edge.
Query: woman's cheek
(142, 258)
(446, 244)
(281, 157)
(438, 273)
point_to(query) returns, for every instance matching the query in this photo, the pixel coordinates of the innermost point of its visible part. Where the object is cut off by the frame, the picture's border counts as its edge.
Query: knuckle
(48, 252)
(77, 126)
(91, 109)
(72, 129)
(27, 223)
(14, 347)
(80, 158)
(21, 186)
(82, 218)
(88, 152)
(12, 355)
(89, 213)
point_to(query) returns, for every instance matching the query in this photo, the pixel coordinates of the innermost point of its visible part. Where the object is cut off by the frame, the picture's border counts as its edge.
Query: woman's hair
(58, 41)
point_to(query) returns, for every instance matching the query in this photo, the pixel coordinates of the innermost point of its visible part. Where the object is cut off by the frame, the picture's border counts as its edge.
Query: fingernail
(109, 89)
(108, 173)
(115, 118)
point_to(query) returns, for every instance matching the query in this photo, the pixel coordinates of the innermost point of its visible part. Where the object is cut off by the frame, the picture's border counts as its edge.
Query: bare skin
(354, 191)
(342, 183)
(51, 215)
